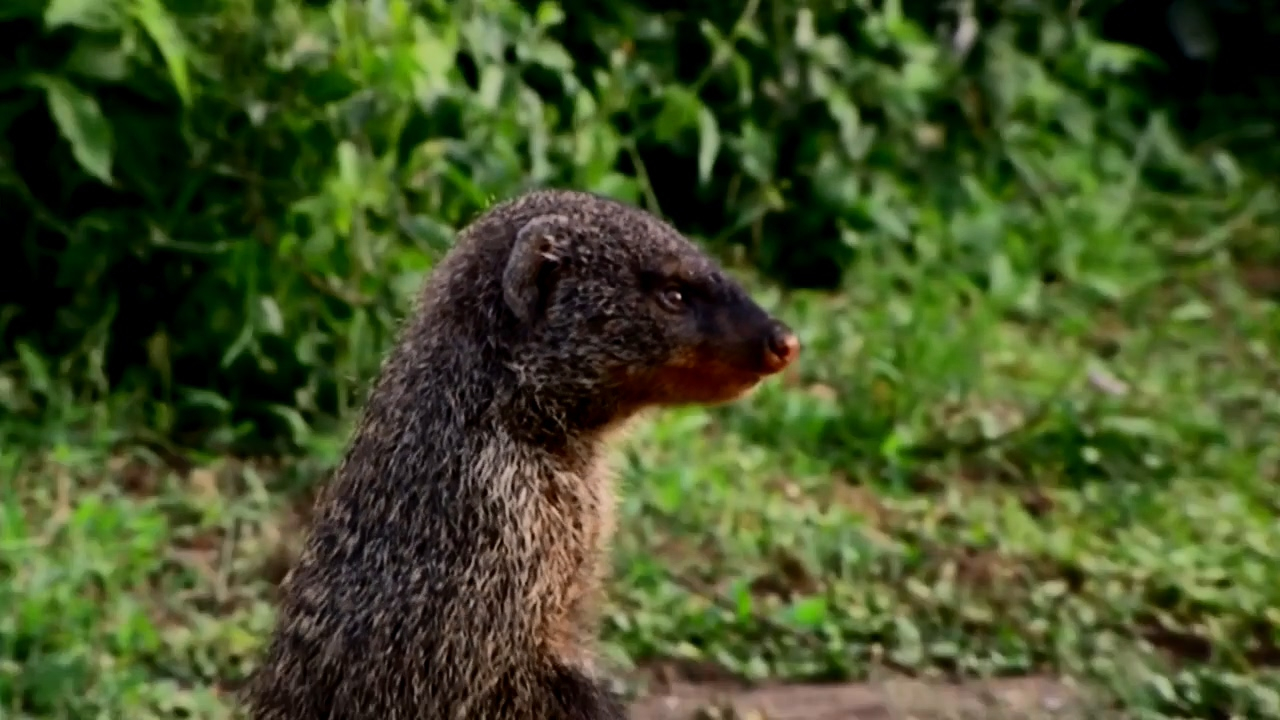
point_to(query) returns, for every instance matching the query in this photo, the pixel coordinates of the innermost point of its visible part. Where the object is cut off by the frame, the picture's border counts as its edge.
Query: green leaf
(35, 369)
(708, 143)
(168, 38)
(81, 123)
(99, 59)
(100, 15)
(811, 612)
(679, 110)
(548, 15)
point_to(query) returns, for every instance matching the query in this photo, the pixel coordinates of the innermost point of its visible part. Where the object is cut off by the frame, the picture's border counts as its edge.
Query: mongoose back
(454, 562)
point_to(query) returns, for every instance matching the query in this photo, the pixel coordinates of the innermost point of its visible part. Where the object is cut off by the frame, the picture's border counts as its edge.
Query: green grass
(1089, 490)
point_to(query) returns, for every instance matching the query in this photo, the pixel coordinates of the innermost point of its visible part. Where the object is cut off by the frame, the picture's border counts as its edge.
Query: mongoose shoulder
(454, 561)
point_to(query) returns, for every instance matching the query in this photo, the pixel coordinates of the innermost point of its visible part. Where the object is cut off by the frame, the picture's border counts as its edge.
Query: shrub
(221, 206)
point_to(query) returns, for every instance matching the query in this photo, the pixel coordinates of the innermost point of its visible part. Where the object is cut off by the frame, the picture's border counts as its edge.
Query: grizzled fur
(454, 563)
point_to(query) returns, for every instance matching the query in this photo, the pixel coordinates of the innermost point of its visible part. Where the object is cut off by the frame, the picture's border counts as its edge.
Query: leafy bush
(233, 200)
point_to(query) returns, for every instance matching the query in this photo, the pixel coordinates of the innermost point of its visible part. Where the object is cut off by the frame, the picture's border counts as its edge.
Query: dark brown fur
(454, 563)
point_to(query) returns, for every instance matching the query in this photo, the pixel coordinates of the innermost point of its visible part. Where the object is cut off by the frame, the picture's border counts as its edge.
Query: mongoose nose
(782, 349)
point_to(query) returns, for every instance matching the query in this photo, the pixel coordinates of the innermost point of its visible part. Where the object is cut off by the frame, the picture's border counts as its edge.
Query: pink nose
(783, 349)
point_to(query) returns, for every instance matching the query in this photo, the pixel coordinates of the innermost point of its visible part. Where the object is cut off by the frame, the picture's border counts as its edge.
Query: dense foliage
(232, 198)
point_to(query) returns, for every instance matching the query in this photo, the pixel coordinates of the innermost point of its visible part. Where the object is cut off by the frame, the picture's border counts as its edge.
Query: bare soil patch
(1032, 698)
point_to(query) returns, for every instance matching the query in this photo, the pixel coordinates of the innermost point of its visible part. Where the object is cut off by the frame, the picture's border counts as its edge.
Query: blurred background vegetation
(1032, 248)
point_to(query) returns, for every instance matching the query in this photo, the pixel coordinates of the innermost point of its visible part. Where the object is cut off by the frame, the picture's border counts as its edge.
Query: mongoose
(454, 562)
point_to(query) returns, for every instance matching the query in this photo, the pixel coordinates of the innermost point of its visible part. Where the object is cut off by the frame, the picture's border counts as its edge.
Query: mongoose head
(615, 307)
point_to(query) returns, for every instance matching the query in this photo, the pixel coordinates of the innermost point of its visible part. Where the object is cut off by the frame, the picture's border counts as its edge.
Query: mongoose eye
(672, 299)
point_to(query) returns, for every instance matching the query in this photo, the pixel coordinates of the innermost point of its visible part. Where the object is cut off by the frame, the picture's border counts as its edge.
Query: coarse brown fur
(454, 563)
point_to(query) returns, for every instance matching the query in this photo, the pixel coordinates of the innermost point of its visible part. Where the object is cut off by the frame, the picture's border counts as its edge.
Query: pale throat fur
(561, 524)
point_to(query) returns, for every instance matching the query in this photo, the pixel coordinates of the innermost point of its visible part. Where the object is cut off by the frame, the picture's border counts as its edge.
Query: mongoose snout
(761, 345)
(735, 345)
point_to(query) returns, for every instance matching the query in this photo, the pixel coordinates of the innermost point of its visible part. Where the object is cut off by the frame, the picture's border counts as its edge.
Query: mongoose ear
(539, 249)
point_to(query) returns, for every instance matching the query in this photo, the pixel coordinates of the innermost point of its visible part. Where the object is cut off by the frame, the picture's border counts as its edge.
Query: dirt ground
(1013, 699)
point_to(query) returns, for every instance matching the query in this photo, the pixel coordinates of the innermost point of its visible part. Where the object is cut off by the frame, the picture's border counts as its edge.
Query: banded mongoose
(454, 562)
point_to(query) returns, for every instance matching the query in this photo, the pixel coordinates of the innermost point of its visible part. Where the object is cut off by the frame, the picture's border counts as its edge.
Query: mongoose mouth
(711, 382)
(712, 377)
